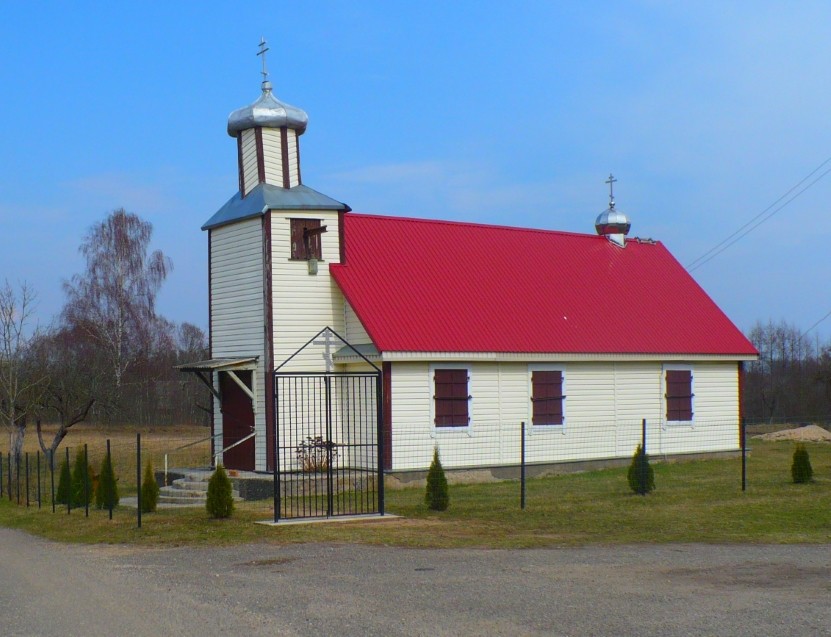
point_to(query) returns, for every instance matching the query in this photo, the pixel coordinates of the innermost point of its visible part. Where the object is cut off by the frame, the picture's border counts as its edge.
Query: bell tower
(268, 138)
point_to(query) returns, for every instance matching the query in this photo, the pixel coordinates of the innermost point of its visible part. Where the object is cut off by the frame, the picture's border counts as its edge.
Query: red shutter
(451, 398)
(679, 395)
(547, 397)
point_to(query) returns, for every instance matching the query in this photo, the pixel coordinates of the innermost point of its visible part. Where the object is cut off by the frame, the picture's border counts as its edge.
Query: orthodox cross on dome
(264, 72)
(611, 181)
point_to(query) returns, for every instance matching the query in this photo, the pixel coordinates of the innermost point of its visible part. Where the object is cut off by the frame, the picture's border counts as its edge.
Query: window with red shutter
(547, 397)
(305, 246)
(679, 395)
(451, 398)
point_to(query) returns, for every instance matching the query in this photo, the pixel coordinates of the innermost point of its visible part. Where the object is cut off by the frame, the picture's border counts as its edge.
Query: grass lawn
(698, 501)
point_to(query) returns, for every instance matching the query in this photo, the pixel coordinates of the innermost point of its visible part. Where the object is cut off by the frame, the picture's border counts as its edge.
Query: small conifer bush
(106, 491)
(82, 480)
(149, 490)
(801, 469)
(641, 475)
(437, 496)
(62, 494)
(220, 503)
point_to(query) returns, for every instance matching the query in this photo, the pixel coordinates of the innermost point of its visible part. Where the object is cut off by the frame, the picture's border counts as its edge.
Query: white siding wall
(303, 304)
(273, 157)
(355, 332)
(237, 309)
(249, 160)
(605, 404)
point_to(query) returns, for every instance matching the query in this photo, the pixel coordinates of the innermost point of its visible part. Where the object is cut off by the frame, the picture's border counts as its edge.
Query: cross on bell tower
(263, 48)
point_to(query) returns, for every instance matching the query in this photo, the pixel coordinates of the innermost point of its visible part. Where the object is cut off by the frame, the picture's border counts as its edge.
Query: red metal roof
(439, 286)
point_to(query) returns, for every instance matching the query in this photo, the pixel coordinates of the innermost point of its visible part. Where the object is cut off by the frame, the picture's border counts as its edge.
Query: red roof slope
(438, 286)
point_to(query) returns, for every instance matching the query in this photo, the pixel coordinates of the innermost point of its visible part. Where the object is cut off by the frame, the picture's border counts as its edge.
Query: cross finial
(264, 72)
(611, 181)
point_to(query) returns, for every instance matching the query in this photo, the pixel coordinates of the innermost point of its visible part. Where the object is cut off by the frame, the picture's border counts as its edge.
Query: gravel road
(347, 590)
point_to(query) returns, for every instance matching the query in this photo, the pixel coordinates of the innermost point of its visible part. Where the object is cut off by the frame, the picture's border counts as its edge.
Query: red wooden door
(237, 422)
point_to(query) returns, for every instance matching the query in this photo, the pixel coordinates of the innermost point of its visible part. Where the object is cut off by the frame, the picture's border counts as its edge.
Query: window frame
(665, 394)
(553, 367)
(307, 223)
(432, 385)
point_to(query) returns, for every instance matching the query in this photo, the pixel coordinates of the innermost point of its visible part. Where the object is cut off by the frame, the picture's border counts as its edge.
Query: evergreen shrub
(437, 496)
(220, 503)
(149, 490)
(801, 469)
(83, 478)
(64, 484)
(641, 475)
(106, 491)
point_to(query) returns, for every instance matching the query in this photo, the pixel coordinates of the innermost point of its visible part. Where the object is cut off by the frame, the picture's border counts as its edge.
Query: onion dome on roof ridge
(612, 223)
(267, 112)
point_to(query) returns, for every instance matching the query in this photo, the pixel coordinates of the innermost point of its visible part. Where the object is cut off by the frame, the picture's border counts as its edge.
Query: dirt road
(52, 589)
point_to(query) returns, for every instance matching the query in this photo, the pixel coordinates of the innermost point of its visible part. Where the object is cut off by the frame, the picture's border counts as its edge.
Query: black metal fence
(328, 445)
(34, 479)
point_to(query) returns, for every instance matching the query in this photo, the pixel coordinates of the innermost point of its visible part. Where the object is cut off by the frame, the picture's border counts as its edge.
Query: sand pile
(810, 433)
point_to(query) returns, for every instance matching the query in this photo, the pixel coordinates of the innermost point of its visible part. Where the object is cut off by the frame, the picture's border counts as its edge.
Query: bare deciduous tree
(20, 381)
(73, 381)
(114, 300)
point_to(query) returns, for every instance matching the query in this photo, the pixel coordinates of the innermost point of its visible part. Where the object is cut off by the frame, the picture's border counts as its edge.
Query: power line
(817, 323)
(760, 218)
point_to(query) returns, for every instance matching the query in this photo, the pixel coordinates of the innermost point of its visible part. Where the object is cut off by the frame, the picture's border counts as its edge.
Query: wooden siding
(272, 157)
(237, 309)
(303, 304)
(249, 160)
(294, 162)
(605, 404)
(355, 332)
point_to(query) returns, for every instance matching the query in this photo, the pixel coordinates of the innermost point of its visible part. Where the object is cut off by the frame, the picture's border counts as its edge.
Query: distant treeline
(791, 381)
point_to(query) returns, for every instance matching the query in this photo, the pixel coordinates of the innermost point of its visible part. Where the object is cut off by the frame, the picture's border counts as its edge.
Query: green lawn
(697, 501)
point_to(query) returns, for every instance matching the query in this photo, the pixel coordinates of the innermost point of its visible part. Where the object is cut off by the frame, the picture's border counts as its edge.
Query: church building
(474, 328)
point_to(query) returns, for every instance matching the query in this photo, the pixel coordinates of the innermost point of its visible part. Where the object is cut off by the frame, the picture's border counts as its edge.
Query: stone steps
(192, 489)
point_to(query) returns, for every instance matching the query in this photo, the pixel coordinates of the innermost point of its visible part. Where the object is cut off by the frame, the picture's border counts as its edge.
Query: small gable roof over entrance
(437, 286)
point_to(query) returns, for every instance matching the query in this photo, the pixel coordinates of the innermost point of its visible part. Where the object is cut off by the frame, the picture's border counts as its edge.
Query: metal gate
(328, 444)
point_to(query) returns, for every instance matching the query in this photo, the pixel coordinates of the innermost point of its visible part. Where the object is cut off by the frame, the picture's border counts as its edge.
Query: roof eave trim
(559, 356)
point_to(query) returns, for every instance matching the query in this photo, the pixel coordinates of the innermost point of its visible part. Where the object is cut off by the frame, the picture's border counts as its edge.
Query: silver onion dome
(612, 221)
(267, 112)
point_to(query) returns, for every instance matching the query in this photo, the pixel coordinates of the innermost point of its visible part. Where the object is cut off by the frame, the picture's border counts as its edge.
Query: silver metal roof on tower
(612, 223)
(267, 111)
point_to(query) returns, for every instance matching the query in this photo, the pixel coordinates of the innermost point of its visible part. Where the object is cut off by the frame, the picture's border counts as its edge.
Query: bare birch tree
(113, 301)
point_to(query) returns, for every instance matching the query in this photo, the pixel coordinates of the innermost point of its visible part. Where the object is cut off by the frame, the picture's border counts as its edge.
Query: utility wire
(760, 218)
(815, 324)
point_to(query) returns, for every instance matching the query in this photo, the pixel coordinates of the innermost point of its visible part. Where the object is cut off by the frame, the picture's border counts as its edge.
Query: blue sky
(506, 113)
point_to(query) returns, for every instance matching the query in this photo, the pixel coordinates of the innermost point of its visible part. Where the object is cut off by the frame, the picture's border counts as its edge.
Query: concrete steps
(190, 490)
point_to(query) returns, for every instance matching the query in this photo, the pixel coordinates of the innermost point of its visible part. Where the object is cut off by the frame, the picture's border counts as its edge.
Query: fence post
(27, 478)
(1, 475)
(522, 466)
(643, 476)
(379, 392)
(9, 463)
(17, 476)
(52, 474)
(743, 425)
(68, 495)
(138, 478)
(86, 481)
(39, 500)
(110, 463)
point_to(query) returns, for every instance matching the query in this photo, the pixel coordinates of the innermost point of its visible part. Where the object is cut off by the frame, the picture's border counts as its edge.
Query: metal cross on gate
(327, 343)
